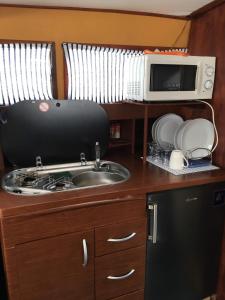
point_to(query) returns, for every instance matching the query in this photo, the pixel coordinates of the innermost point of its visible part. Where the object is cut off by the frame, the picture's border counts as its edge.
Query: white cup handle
(187, 164)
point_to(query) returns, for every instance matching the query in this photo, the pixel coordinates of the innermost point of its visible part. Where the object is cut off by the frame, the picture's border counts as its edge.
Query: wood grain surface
(143, 179)
(138, 295)
(118, 264)
(25, 219)
(29, 228)
(208, 38)
(119, 231)
(53, 269)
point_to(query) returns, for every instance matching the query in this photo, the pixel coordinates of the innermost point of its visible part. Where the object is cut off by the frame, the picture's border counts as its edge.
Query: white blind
(97, 73)
(25, 72)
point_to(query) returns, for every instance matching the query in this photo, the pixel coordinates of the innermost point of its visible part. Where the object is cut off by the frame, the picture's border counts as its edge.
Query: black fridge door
(185, 235)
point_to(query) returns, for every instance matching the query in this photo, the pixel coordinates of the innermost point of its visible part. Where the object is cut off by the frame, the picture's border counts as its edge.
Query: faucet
(97, 157)
(83, 159)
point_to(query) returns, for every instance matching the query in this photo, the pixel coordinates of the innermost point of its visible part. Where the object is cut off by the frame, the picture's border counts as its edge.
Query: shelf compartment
(116, 143)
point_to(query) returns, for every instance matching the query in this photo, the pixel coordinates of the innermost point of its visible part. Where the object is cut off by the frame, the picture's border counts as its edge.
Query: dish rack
(189, 170)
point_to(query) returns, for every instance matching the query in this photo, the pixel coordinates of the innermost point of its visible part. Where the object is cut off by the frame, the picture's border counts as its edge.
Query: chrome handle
(126, 238)
(85, 252)
(153, 237)
(121, 277)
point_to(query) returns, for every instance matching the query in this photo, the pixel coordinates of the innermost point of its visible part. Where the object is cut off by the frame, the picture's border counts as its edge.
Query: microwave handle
(153, 208)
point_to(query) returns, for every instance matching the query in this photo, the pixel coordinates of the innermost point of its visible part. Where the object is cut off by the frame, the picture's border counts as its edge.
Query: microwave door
(171, 81)
(173, 78)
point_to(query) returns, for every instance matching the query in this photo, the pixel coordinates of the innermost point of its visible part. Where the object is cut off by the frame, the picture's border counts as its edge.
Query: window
(25, 72)
(97, 73)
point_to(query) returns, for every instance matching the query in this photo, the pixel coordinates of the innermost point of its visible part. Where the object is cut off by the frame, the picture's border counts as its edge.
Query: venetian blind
(97, 73)
(25, 72)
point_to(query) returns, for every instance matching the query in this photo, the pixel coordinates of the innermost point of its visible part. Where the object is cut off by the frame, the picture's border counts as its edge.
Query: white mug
(177, 160)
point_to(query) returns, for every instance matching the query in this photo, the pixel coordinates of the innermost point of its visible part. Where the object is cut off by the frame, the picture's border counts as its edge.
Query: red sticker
(43, 106)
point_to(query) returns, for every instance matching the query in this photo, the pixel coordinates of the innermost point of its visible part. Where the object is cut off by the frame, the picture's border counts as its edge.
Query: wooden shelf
(130, 111)
(116, 143)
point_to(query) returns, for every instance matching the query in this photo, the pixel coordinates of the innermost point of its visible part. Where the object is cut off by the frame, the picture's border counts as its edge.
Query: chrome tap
(97, 157)
(83, 159)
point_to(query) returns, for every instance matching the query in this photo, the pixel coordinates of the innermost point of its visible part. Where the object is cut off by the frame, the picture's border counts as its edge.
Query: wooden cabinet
(138, 295)
(119, 236)
(56, 268)
(120, 259)
(120, 273)
(54, 263)
(122, 135)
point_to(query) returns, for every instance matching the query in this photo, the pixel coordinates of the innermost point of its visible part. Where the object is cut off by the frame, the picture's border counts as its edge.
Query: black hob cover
(57, 131)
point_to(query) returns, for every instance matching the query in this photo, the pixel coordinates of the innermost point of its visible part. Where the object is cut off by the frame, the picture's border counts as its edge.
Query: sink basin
(64, 177)
(93, 178)
(109, 173)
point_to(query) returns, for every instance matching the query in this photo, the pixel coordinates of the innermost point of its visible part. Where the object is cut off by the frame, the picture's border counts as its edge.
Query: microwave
(157, 77)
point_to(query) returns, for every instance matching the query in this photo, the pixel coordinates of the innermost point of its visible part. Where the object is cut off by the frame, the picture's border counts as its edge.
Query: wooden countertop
(143, 179)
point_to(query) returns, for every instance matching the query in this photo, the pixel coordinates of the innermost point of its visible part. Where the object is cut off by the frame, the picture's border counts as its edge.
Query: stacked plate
(165, 128)
(194, 137)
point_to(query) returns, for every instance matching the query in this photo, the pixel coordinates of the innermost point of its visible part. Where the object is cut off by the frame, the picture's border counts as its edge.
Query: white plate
(155, 125)
(199, 133)
(166, 129)
(178, 135)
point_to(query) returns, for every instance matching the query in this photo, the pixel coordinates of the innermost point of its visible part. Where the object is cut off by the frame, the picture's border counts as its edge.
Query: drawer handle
(122, 239)
(121, 277)
(85, 252)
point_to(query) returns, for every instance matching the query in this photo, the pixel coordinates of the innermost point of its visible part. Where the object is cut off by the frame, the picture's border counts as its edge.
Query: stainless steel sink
(57, 178)
(109, 173)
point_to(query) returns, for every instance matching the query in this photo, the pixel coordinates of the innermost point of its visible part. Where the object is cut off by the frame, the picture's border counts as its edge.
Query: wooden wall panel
(207, 37)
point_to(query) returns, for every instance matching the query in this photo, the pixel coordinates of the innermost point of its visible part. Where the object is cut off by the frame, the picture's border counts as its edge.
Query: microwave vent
(134, 88)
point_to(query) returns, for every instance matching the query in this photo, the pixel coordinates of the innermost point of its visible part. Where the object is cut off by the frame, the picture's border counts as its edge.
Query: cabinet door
(138, 295)
(120, 236)
(56, 268)
(119, 273)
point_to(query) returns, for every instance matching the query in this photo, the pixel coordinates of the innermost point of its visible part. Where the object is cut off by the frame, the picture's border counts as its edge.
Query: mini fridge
(185, 231)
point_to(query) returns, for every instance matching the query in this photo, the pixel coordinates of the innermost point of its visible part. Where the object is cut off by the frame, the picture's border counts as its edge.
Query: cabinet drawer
(30, 227)
(119, 273)
(120, 236)
(139, 295)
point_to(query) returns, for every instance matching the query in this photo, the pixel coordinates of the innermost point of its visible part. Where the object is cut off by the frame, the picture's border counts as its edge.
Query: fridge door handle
(153, 237)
